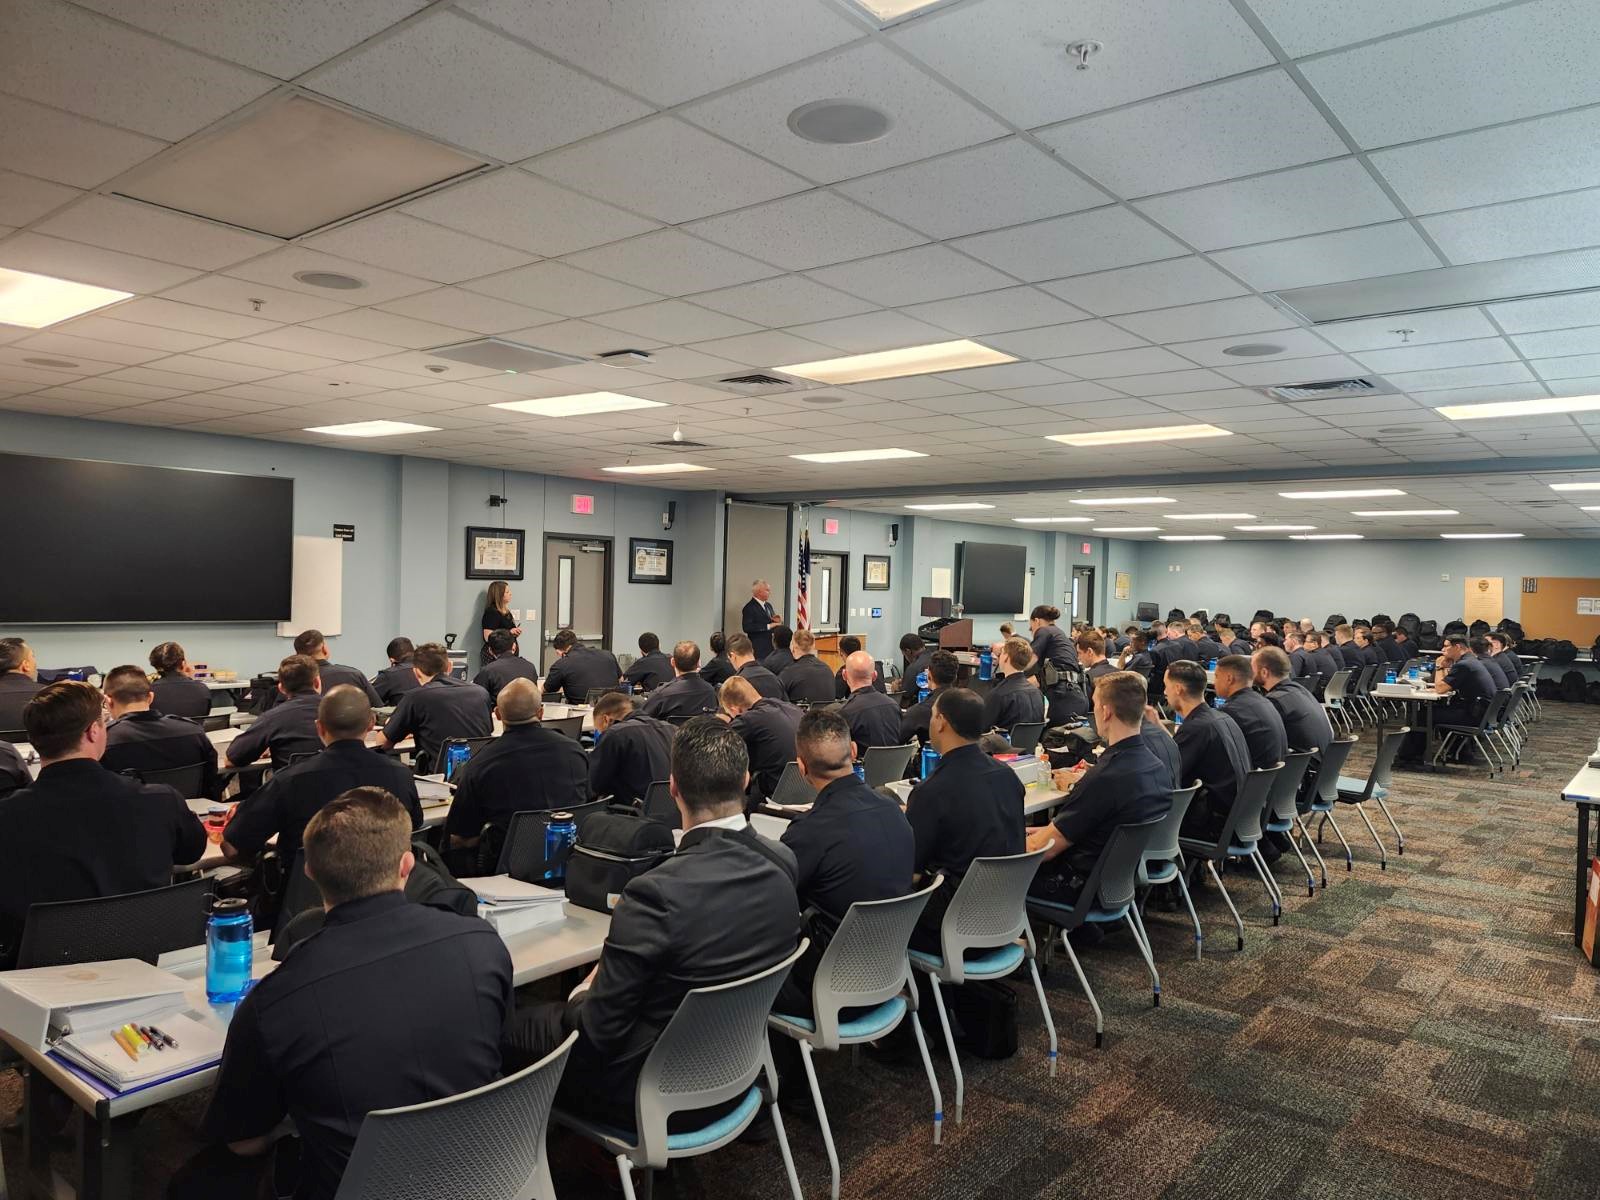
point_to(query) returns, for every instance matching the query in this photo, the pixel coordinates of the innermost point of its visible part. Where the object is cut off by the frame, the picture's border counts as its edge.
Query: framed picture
(875, 572)
(494, 553)
(649, 560)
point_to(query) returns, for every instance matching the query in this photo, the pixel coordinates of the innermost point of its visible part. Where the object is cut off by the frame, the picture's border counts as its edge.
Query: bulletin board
(1551, 610)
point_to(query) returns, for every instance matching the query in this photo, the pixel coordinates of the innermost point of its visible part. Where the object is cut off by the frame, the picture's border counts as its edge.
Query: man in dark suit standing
(759, 617)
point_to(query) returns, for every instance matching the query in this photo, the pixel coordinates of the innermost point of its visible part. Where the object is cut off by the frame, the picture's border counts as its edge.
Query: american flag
(802, 613)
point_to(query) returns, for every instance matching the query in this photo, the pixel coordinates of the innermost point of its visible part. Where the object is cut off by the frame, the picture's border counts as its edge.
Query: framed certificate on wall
(649, 560)
(494, 553)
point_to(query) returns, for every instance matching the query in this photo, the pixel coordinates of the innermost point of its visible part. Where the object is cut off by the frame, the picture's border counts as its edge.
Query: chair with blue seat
(1326, 799)
(1162, 861)
(1240, 839)
(865, 971)
(1480, 734)
(1109, 894)
(714, 1050)
(1355, 792)
(988, 914)
(1334, 700)
(1281, 812)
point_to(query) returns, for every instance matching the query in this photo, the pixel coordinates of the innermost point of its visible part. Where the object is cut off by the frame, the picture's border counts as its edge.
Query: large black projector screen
(109, 542)
(991, 577)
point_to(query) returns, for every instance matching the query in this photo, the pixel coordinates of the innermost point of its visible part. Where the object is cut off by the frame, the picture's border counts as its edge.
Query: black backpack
(1514, 628)
(614, 846)
(1574, 687)
(1547, 689)
(1382, 619)
(1560, 652)
(1262, 614)
(1478, 629)
(1429, 641)
(1176, 614)
(1532, 647)
(1456, 628)
(431, 883)
(1410, 623)
(1333, 622)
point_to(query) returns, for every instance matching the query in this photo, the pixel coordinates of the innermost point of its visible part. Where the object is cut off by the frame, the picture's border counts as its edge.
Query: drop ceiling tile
(213, 368)
(1139, 361)
(1216, 401)
(239, 296)
(1008, 53)
(1176, 281)
(1448, 325)
(910, 276)
(65, 406)
(1483, 395)
(1058, 395)
(926, 117)
(167, 379)
(60, 55)
(1295, 343)
(871, 331)
(1303, 28)
(14, 360)
(24, 199)
(997, 311)
(279, 361)
(1519, 228)
(424, 367)
(143, 337)
(517, 209)
(1217, 318)
(88, 264)
(468, 310)
(1009, 375)
(576, 337)
(560, 289)
(768, 349)
(434, 75)
(784, 300)
(63, 341)
(361, 373)
(60, 146)
(398, 242)
(1168, 383)
(163, 314)
(1521, 61)
(304, 340)
(1559, 342)
(391, 329)
(916, 387)
(1072, 245)
(1059, 341)
(1304, 200)
(151, 232)
(280, 267)
(1441, 354)
(1296, 370)
(670, 262)
(679, 362)
(815, 229)
(1456, 377)
(675, 322)
(1578, 366)
(1330, 257)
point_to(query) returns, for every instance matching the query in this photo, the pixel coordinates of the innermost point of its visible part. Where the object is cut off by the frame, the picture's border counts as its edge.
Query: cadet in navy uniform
(1212, 749)
(1255, 715)
(1228, 641)
(873, 717)
(1014, 698)
(758, 618)
(578, 669)
(1324, 659)
(688, 695)
(286, 803)
(80, 831)
(1136, 656)
(19, 680)
(313, 645)
(178, 693)
(943, 671)
(1299, 659)
(1091, 648)
(741, 653)
(651, 669)
(767, 728)
(1305, 721)
(397, 678)
(970, 807)
(321, 1040)
(1127, 785)
(1054, 654)
(141, 739)
(1504, 647)
(1370, 655)
(631, 750)
(717, 669)
(1346, 650)
(914, 657)
(1481, 651)
(807, 677)
(1461, 672)
(14, 773)
(438, 710)
(782, 655)
(288, 728)
(505, 666)
(1204, 645)
(848, 645)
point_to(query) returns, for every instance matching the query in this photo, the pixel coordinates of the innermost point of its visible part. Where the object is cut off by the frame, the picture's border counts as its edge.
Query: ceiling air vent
(756, 383)
(684, 444)
(500, 355)
(1329, 389)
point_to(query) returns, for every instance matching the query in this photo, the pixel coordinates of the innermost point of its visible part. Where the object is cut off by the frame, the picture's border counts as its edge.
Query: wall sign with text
(494, 553)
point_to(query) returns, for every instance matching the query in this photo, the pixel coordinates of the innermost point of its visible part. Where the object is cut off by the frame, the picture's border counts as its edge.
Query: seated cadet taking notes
(440, 708)
(139, 739)
(717, 668)
(631, 750)
(688, 694)
(290, 727)
(80, 831)
(848, 645)
(579, 669)
(651, 669)
(873, 717)
(807, 678)
(782, 655)
(178, 693)
(767, 728)
(397, 678)
(1256, 716)
(314, 646)
(742, 656)
(1211, 748)
(505, 666)
(389, 1004)
(1015, 697)
(1459, 671)
(943, 670)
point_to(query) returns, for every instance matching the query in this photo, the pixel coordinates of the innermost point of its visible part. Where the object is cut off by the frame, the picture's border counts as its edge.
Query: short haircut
(355, 843)
(822, 741)
(804, 640)
(518, 703)
(1045, 612)
(1090, 641)
(431, 659)
(59, 714)
(401, 648)
(1269, 638)
(1361, 632)
(1273, 661)
(1221, 625)
(1402, 631)
(1238, 665)
(167, 657)
(309, 641)
(782, 636)
(500, 642)
(1498, 635)
(1157, 628)
(12, 652)
(1018, 653)
(127, 685)
(1196, 627)
(1125, 694)
(910, 643)
(738, 692)
(1343, 631)
(963, 709)
(1293, 634)
(755, 583)
(686, 656)
(564, 639)
(345, 712)
(297, 673)
(718, 643)
(1456, 639)
(1138, 642)
(649, 643)
(1479, 645)
(1189, 676)
(1312, 638)
(943, 668)
(710, 765)
(613, 704)
(740, 644)
(849, 644)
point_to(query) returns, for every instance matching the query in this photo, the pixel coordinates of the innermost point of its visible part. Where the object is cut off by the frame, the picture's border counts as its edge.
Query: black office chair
(299, 894)
(141, 925)
(212, 722)
(553, 698)
(13, 735)
(571, 726)
(1024, 737)
(522, 855)
(660, 806)
(187, 781)
(297, 930)
(885, 764)
(594, 694)
(473, 745)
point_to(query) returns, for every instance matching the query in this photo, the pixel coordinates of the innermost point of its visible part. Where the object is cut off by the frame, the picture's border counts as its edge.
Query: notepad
(199, 1043)
(501, 890)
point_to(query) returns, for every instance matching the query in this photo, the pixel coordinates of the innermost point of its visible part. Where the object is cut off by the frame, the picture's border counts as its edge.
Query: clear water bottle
(559, 837)
(229, 954)
(922, 687)
(930, 760)
(986, 665)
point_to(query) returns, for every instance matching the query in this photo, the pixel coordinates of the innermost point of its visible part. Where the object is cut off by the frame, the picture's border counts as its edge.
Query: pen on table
(141, 1038)
(165, 1037)
(148, 1032)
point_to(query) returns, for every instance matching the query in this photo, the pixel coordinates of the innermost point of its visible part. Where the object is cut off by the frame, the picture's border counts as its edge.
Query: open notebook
(91, 1046)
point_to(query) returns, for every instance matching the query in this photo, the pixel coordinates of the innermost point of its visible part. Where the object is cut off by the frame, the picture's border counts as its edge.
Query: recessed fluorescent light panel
(1520, 408)
(1593, 486)
(947, 507)
(1325, 537)
(1211, 516)
(849, 456)
(894, 10)
(657, 469)
(1589, 508)
(580, 405)
(1406, 512)
(1052, 520)
(892, 364)
(1127, 529)
(1192, 537)
(1345, 494)
(1118, 501)
(1477, 537)
(36, 301)
(1272, 528)
(1157, 433)
(373, 429)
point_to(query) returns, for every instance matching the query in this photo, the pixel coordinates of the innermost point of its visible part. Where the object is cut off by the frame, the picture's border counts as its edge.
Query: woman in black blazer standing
(497, 613)
(1055, 654)
(177, 692)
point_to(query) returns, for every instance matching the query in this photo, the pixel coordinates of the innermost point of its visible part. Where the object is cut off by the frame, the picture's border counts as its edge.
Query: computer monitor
(1147, 612)
(936, 607)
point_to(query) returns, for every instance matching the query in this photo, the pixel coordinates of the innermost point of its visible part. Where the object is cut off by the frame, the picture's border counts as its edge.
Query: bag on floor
(1333, 622)
(1547, 689)
(1574, 687)
(1456, 628)
(986, 1010)
(1382, 619)
(1479, 628)
(1411, 623)
(1594, 691)
(613, 846)
(1514, 628)
(1532, 647)
(1176, 614)
(1560, 652)
(1429, 641)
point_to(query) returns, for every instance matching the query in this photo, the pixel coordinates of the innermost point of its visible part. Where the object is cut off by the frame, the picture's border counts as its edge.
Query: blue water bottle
(922, 686)
(229, 954)
(986, 665)
(1414, 674)
(559, 837)
(861, 772)
(1389, 675)
(1212, 665)
(1219, 702)
(930, 760)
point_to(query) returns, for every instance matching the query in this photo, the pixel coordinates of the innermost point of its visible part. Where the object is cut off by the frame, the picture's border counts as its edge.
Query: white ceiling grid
(1114, 228)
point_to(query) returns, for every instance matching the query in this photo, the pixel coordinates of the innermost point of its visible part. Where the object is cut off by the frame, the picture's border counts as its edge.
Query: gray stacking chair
(1281, 812)
(864, 968)
(1240, 839)
(885, 764)
(1328, 768)
(1336, 702)
(1162, 861)
(1024, 736)
(486, 1144)
(713, 1050)
(1355, 792)
(988, 914)
(185, 781)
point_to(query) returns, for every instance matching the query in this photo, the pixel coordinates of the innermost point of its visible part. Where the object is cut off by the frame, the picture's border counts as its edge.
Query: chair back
(186, 781)
(1364, 681)
(1113, 879)
(214, 721)
(1334, 693)
(571, 726)
(865, 962)
(1163, 844)
(13, 735)
(1024, 737)
(522, 856)
(592, 697)
(296, 930)
(1312, 682)
(885, 764)
(415, 1153)
(1383, 761)
(989, 908)
(711, 1051)
(141, 925)
(299, 894)
(1243, 825)
(660, 806)
(1329, 766)
(792, 787)
(1286, 786)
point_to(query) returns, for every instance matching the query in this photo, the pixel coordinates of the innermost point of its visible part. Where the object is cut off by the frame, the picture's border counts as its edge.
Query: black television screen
(112, 542)
(1147, 611)
(936, 607)
(991, 577)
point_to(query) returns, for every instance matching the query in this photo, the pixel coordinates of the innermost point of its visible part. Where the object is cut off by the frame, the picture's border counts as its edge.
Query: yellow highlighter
(121, 1038)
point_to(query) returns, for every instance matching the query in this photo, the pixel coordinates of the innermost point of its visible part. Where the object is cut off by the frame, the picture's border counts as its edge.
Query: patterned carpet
(1422, 1032)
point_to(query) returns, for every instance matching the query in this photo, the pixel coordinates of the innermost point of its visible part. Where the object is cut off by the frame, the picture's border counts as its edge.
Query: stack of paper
(512, 906)
(198, 1044)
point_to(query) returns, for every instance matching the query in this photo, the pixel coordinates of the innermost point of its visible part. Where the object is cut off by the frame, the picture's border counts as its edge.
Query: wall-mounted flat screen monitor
(992, 577)
(936, 607)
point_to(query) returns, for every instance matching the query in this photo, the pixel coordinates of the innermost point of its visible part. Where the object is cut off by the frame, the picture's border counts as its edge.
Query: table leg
(37, 1124)
(1582, 884)
(105, 1156)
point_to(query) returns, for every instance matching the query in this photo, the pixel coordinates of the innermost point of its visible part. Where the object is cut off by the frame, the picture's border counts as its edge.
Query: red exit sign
(583, 505)
(1086, 549)
(830, 525)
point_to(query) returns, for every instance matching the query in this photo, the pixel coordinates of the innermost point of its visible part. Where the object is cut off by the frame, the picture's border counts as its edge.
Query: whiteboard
(317, 597)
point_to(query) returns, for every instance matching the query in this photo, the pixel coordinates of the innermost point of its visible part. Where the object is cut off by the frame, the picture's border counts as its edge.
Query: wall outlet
(1444, 579)
(532, 614)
